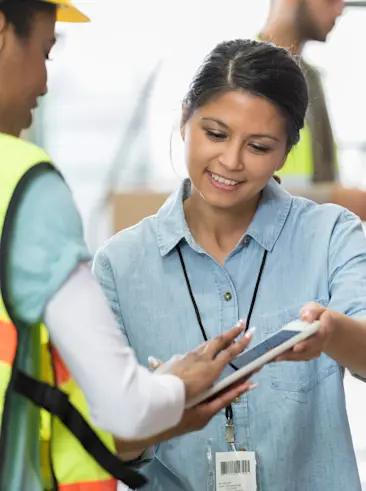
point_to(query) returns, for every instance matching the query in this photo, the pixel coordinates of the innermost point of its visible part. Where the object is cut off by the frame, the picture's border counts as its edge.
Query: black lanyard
(229, 409)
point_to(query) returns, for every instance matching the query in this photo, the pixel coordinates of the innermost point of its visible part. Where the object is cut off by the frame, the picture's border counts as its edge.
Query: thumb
(312, 311)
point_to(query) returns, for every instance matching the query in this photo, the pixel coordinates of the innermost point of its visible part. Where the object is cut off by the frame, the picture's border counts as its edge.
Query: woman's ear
(277, 177)
(281, 165)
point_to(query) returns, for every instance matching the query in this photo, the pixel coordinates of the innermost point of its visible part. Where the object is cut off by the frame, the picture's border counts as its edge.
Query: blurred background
(111, 117)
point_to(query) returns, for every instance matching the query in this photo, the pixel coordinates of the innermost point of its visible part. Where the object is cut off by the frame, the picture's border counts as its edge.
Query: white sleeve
(124, 398)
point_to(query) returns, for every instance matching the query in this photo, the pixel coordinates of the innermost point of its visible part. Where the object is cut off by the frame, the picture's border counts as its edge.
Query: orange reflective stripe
(61, 372)
(8, 342)
(107, 485)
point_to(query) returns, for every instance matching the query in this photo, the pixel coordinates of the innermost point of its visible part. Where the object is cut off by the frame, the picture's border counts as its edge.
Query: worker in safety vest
(311, 169)
(77, 370)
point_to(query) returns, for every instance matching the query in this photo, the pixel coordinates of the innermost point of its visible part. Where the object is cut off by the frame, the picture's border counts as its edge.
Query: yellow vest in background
(298, 168)
(27, 446)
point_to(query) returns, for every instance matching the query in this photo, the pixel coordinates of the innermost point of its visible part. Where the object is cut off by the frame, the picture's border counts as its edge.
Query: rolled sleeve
(347, 266)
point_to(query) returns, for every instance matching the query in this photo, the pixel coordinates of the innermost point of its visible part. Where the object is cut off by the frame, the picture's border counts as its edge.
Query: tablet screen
(263, 347)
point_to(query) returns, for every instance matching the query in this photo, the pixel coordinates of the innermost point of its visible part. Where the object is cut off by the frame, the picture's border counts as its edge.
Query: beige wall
(130, 208)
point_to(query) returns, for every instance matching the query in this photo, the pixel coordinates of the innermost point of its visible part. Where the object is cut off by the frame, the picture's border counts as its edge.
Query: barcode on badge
(235, 467)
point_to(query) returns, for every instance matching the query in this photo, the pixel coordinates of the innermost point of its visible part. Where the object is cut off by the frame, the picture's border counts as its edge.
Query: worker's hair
(20, 13)
(260, 68)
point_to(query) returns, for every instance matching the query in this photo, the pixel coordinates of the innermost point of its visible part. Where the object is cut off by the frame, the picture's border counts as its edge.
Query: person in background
(45, 277)
(312, 169)
(232, 243)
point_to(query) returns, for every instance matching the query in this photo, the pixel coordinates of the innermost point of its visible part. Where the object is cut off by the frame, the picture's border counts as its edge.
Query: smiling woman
(237, 141)
(242, 115)
(231, 244)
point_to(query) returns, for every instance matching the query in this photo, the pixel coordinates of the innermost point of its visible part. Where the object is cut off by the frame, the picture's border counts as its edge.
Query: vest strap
(57, 403)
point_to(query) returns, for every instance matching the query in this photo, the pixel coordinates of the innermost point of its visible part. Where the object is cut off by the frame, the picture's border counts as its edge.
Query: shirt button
(246, 241)
(228, 296)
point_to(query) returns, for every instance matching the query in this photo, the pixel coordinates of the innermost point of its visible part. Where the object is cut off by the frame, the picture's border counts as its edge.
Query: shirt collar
(271, 215)
(265, 228)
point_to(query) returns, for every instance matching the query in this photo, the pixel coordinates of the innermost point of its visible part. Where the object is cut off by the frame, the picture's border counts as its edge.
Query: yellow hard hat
(66, 12)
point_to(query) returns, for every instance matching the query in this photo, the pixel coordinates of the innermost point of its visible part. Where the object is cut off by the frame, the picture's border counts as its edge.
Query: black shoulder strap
(56, 402)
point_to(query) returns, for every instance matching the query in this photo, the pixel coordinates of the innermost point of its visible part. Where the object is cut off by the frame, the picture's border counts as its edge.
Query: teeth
(222, 180)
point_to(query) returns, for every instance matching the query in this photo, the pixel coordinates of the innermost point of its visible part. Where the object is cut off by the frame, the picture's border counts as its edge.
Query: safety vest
(34, 446)
(298, 169)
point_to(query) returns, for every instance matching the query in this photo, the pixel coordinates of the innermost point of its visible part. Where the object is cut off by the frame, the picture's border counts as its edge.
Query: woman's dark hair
(260, 68)
(20, 13)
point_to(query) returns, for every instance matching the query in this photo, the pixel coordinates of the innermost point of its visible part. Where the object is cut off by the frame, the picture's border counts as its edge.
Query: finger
(312, 312)
(314, 342)
(229, 354)
(308, 345)
(201, 348)
(222, 341)
(154, 363)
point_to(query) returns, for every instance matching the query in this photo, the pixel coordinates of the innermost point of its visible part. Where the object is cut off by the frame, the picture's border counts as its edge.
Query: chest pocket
(296, 378)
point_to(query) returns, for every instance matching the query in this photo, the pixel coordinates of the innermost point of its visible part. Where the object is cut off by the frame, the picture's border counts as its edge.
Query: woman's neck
(217, 230)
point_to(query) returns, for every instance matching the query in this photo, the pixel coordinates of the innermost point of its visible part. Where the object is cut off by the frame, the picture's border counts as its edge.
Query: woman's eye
(213, 135)
(259, 148)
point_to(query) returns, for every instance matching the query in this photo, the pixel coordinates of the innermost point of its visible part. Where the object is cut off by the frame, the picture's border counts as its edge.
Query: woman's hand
(202, 366)
(198, 370)
(193, 420)
(315, 345)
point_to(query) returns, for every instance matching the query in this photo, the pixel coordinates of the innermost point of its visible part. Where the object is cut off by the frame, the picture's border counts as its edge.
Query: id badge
(229, 470)
(235, 471)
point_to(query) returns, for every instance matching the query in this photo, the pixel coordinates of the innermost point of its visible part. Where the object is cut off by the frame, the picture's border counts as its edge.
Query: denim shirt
(296, 420)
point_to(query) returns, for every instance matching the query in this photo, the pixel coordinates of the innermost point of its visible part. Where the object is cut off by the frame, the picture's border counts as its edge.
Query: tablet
(259, 355)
